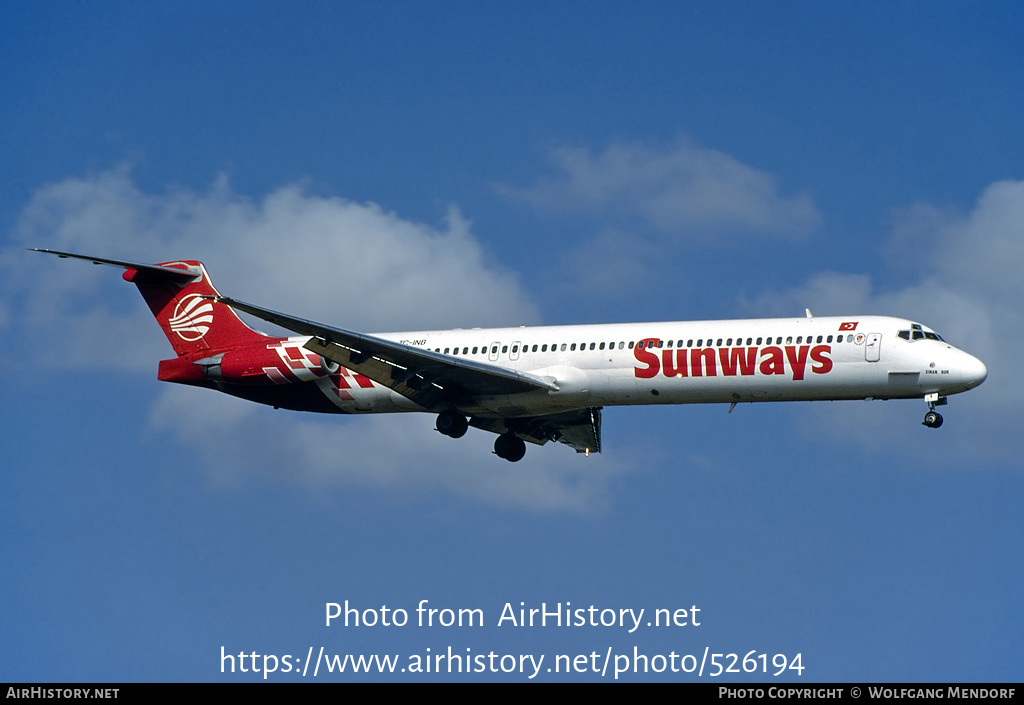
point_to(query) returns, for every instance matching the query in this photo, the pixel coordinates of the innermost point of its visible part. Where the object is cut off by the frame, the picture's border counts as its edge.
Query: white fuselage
(781, 359)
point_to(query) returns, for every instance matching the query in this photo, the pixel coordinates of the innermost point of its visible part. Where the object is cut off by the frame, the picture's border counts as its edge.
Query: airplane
(539, 384)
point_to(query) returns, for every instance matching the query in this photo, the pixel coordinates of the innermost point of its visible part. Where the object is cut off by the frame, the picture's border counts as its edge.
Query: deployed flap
(424, 376)
(579, 429)
(584, 432)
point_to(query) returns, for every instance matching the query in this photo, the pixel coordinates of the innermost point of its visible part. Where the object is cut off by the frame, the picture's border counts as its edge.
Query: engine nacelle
(279, 362)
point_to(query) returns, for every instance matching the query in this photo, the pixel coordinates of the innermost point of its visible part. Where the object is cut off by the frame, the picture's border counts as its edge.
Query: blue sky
(395, 166)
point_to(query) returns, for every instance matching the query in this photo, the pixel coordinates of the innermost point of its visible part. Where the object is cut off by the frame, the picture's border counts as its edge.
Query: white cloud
(688, 191)
(982, 251)
(604, 267)
(346, 264)
(399, 453)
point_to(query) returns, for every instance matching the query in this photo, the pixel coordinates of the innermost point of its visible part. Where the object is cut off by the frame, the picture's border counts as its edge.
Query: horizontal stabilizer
(177, 294)
(147, 271)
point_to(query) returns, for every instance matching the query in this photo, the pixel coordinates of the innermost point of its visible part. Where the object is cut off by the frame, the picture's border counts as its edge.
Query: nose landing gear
(933, 419)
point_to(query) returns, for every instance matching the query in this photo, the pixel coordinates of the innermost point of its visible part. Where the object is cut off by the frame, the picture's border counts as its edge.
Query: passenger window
(563, 347)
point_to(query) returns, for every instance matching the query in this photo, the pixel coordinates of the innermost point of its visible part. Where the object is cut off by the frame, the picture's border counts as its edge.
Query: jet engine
(277, 363)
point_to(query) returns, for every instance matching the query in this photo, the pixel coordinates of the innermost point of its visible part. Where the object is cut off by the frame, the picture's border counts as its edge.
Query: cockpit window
(917, 334)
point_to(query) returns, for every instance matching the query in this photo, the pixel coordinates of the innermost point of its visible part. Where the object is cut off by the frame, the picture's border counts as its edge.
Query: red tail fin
(192, 322)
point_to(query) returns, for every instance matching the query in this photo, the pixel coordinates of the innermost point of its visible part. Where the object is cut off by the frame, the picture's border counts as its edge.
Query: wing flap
(580, 429)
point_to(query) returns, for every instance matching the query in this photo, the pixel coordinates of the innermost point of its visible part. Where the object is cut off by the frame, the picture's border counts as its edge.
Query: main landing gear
(508, 445)
(452, 424)
(933, 419)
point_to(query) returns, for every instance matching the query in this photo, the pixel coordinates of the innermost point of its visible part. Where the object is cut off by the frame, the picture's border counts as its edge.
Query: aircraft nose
(973, 370)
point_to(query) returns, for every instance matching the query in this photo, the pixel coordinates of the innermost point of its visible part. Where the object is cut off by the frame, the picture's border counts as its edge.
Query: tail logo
(192, 318)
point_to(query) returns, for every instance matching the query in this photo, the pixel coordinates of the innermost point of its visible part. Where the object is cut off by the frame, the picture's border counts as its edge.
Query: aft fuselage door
(872, 347)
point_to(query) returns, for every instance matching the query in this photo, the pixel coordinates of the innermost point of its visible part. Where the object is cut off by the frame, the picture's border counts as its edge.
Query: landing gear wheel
(452, 424)
(932, 420)
(510, 447)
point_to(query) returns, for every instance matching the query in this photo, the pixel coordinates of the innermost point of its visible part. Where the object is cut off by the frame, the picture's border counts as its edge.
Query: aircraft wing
(580, 429)
(428, 378)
